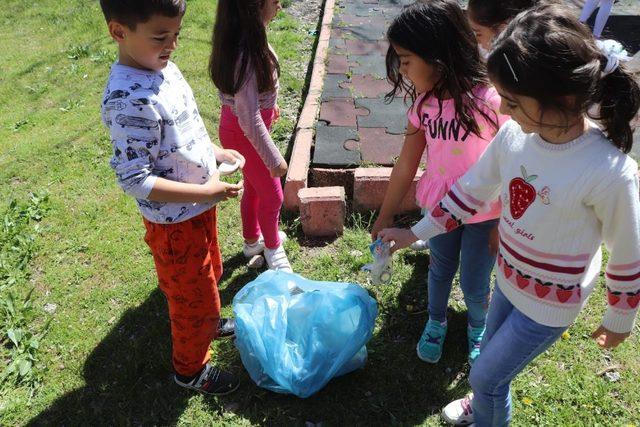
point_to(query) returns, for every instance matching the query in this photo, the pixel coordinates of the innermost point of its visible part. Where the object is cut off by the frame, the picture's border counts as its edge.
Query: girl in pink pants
(245, 70)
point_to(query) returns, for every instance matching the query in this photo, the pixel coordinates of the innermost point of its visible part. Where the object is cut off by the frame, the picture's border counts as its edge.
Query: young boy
(162, 156)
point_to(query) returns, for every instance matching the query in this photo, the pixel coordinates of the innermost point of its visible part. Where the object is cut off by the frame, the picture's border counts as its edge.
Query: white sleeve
(617, 206)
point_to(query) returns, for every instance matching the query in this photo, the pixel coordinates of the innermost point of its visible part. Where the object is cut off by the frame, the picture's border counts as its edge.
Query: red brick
(322, 211)
(370, 186)
(325, 177)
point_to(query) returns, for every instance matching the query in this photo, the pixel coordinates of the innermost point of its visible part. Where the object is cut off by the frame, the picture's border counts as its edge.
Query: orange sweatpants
(189, 265)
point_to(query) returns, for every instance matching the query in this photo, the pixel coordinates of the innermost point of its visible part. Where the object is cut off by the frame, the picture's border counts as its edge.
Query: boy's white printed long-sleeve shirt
(560, 202)
(156, 131)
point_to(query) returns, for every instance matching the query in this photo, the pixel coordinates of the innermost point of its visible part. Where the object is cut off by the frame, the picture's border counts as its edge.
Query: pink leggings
(262, 197)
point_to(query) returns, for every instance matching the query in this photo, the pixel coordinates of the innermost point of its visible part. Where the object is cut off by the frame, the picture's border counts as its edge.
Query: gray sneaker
(210, 380)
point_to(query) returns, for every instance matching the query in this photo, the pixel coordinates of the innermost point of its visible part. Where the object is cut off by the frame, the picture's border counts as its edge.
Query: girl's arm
(404, 171)
(617, 207)
(248, 111)
(481, 184)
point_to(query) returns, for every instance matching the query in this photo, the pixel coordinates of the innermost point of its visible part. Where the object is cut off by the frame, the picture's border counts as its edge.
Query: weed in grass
(20, 335)
(361, 221)
(78, 51)
(20, 124)
(103, 56)
(71, 104)
(37, 89)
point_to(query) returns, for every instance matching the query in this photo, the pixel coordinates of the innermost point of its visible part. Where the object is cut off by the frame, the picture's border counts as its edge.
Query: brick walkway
(356, 127)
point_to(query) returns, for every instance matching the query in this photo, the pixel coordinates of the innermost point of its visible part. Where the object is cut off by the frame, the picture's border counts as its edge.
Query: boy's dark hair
(133, 12)
(438, 32)
(492, 13)
(239, 39)
(548, 55)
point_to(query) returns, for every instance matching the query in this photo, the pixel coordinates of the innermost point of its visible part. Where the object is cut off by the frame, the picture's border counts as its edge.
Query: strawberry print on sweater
(624, 300)
(445, 218)
(521, 193)
(544, 290)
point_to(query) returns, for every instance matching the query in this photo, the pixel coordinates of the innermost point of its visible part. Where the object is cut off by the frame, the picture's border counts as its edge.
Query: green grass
(106, 356)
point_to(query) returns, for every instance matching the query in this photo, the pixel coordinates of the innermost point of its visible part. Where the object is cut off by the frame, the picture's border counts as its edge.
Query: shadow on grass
(393, 388)
(129, 375)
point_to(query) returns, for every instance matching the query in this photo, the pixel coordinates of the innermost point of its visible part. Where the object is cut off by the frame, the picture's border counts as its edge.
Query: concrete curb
(297, 177)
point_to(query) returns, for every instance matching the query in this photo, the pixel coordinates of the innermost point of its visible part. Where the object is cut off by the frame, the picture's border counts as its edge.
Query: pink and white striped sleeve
(247, 108)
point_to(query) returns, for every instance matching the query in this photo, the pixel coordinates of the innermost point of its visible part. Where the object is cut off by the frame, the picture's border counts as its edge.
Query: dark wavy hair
(133, 12)
(239, 39)
(438, 32)
(548, 55)
(492, 13)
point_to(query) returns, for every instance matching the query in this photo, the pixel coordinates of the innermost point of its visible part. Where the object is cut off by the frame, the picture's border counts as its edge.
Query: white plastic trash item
(381, 268)
(227, 168)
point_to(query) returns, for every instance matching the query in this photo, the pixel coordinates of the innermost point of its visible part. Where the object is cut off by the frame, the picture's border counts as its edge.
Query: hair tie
(614, 52)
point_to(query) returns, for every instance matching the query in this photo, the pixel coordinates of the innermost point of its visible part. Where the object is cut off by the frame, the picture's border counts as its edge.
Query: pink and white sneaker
(459, 412)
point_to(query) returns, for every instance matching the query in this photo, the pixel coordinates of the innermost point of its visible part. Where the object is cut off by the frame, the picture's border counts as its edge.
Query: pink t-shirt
(451, 149)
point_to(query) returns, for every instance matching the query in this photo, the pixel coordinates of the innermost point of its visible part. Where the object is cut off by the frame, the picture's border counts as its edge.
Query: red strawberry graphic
(437, 212)
(633, 300)
(563, 293)
(451, 224)
(521, 193)
(508, 271)
(499, 260)
(613, 297)
(522, 281)
(543, 289)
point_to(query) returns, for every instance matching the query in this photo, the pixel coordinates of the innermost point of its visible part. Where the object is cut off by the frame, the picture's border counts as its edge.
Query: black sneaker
(210, 380)
(226, 328)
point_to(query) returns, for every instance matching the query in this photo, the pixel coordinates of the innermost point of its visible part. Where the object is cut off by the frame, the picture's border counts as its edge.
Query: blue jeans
(511, 341)
(468, 246)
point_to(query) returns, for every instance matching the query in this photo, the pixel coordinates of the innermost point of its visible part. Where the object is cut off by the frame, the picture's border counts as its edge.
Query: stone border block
(370, 186)
(322, 211)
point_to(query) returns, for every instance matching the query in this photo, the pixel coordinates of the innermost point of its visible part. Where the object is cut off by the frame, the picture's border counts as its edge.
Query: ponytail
(548, 55)
(619, 103)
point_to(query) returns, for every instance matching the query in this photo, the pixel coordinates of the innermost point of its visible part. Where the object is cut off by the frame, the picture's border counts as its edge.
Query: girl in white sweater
(566, 186)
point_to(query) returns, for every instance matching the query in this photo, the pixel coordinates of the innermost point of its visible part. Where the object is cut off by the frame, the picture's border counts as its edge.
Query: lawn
(91, 346)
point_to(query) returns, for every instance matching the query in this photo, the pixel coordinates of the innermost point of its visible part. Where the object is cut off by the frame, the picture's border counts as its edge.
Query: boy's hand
(230, 156)
(276, 115)
(220, 191)
(380, 224)
(279, 170)
(607, 339)
(403, 237)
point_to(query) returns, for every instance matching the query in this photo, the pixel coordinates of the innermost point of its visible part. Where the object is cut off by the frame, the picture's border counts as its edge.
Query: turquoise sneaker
(474, 338)
(429, 347)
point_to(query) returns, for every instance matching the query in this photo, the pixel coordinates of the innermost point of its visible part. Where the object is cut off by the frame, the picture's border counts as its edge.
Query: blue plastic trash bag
(294, 335)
